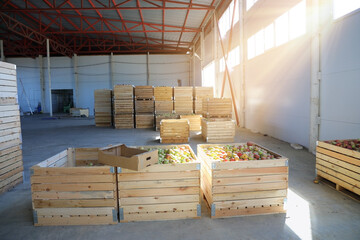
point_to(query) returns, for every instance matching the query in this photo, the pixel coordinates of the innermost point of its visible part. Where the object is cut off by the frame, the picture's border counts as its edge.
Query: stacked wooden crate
(164, 104)
(144, 106)
(183, 100)
(102, 107)
(217, 125)
(11, 165)
(123, 102)
(194, 121)
(201, 93)
(72, 188)
(174, 131)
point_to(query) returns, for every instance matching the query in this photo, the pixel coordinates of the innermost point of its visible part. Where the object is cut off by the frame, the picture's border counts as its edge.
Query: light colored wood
(164, 106)
(163, 93)
(250, 187)
(250, 172)
(174, 131)
(144, 120)
(346, 172)
(343, 177)
(249, 180)
(249, 203)
(203, 92)
(340, 156)
(173, 167)
(124, 120)
(72, 187)
(340, 182)
(159, 184)
(183, 107)
(159, 192)
(102, 107)
(73, 211)
(217, 107)
(123, 106)
(248, 211)
(11, 184)
(123, 92)
(249, 195)
(183, 93)
(142, 176)
(83, 220)
(144, 92)
(72, 179)
(173, 207)
(73, 195)
(160, 117)
(159, 199)
(194, 121)
(218, 130)
(144, 106)
(342, 150)
(338, 162)
(160, 216)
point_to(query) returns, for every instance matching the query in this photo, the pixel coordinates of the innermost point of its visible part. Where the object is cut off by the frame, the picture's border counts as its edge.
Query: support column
(147, 69)
(315, 77)
(215, 50)
(76, 78)
(42, 82)
(202, 57)
(2, 50)
(193, 66)
(112, 80)
(49, 75)
(242, 64)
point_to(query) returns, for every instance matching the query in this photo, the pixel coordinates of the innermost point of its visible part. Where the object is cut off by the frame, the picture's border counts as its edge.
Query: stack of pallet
(164, 104)
(11, 165)
(144, 106)
(123, 103)
(183, 100)
(174, 131)
(217, 125)
(201, 93)
(102, 107)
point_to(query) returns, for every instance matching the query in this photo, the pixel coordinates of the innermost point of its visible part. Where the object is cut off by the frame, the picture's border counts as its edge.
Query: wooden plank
(10, 155)
(73, 179)
(12, 125)
(8, 81)
(73, 195)
(9, 150)
(339, 156)
(73, 187)
(72, 171)
(338, 162)
(8, 101)
(250, 187)
(160, 216)
(11, 170)
(74, 211)
(69, 203)
(249, 203)
(52, 159)
(11, 184)
(159, 192)
(10, 137)
(249, 195)
(159, 200)
(5, 65)
(352, 174)
(250, 172)
(9, 113)
(249, 180)
(157, 176)
(339, 182)
(177, 167)
(342, 150)
(249, 164)
(83, 220)
(159, 184)
(248, 211)
(174, 207)
(338, 175)
(9, 108)
(9, 180)
(11, 119)
(10, 162)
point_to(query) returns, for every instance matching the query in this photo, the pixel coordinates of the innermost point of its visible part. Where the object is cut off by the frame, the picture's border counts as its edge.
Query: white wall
(94, 73)
(340, 84)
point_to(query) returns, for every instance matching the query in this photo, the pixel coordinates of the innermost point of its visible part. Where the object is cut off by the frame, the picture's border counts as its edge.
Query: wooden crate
(217, 107)
(183, 107)
(144, 106)
(338, 165)
(174, 131)
(198, 106)
(11, 164)
(203, 92)
(67, 190)
(144, 92)
(161, 191)
(218, 130)
(123, 106)
(163, 93)
(123, 92)
(183, 93)
(194, 120)
(102, 107)
(160, 117)
(164, 106)
(144, 120)
(243, 187)
(124, 120)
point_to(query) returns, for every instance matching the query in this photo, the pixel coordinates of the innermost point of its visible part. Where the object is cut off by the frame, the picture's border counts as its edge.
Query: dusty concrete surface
(315, 210)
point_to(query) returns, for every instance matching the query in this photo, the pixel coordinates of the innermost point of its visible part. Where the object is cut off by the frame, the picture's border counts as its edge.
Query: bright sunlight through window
(226, 18)
(208, 76)
(343, 7)
(250, 3)
(290, 25)
(233, 60)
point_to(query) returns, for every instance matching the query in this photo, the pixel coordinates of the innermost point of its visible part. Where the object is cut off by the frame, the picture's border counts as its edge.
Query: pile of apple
(348, 144)
(174, 155)
(244, 152)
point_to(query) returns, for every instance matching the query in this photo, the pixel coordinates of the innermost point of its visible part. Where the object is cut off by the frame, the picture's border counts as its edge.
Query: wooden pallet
(123, 106)
(194, 120)
(244, 187)
(337, 187)
(338, 165)
(203, 92)
(163, 93)
(174, 131)
(124, 120)
(218, 130)
(159, 117)
(144, 120)
(66, 190)
(160, 192)
(11, 164)
(123, 92)
(144, 92)
(144, 106)
(217, 108)
(102, 107)
(183, 107)
(164, 106)
(183, 93)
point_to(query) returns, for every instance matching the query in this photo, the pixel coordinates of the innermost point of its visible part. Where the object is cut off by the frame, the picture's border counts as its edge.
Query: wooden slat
(52, 159)
(10, 161)
(68, 203)
(249, 195)
(174, 207)
(11, 184)
(11, 170)
(250, 172)
(339, 156)
(355, 175)
(339, 182)
(160, 216)
(342, 150)
(339, 175)
(249, 203)
(250, 187)
(72, 179)
(73, 187)
(159, 184)
(9, 150)
(250, 164)
(159, 192)
(338, 162)
(9, 144)
(74, 211)
(248, 211)
(73, 195)
(249, 180)
(177, 167)
(7, 157)
(83, 220)
(71, 171)
(11, 179)
(159, 200)
(157, 176)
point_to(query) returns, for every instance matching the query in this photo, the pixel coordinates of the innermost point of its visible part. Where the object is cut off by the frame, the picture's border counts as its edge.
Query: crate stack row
(144, 107)
(216, 124)
(164, 105)
(103, 108)
(11, 165)
(183, 100)
(123, 105)
(201, 93)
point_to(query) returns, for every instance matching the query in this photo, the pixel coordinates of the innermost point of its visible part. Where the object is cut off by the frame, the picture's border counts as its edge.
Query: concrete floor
(315, 211)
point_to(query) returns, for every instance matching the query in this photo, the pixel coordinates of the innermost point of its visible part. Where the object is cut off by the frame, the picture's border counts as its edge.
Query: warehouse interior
(290, 67)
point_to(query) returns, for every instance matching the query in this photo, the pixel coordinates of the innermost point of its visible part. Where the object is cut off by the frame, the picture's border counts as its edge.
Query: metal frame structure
(85, 27)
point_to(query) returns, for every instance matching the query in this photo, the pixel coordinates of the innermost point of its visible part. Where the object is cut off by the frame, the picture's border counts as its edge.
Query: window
(259, 43)
(269, 37)
(251, 47)
(226, 18)
(282, 29)
(343, 7)
(208, 75)
(250, 3)
(297, 19)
